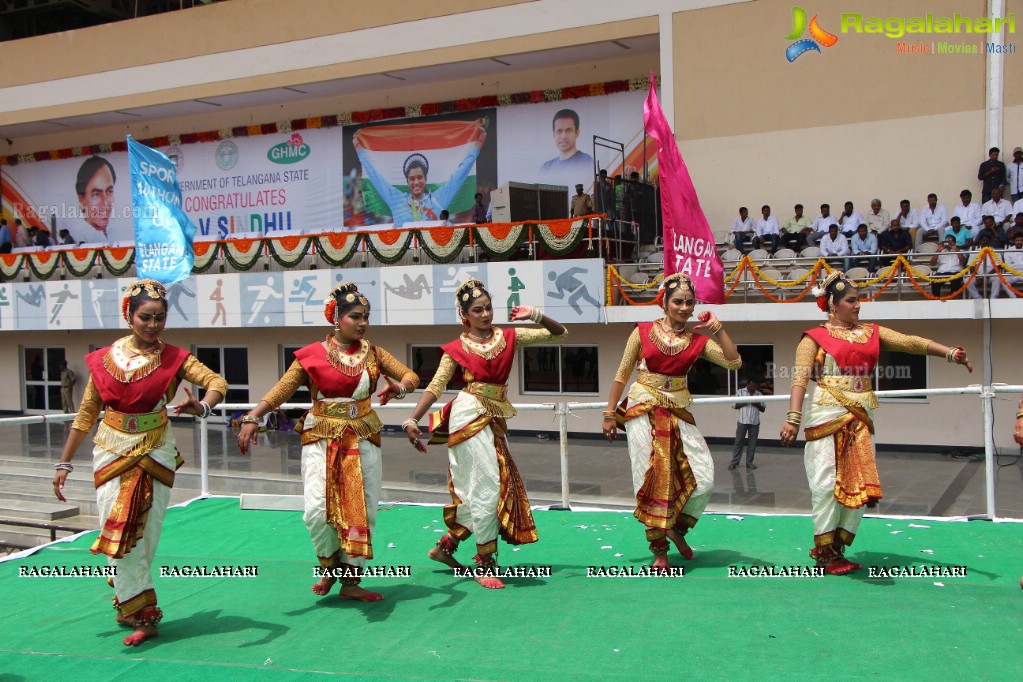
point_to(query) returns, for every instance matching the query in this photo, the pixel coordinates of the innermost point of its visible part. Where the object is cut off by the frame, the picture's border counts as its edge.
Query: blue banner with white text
(163, 232)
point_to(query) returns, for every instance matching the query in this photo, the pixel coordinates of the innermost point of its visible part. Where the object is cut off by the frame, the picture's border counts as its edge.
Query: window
(424, 361)
(41, 378)
(706, 378)
(901, 372)
(232, 363)
(560, 369)
(288, 357)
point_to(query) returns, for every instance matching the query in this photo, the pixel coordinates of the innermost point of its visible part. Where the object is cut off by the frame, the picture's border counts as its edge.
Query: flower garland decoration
(43, 263)
(79, 262)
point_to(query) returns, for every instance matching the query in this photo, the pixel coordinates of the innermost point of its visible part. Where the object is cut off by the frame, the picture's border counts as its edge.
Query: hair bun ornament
(153, 289)
(330, 310)
(822, 303)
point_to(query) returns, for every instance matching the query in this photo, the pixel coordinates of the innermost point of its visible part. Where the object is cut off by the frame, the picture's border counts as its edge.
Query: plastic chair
(784, 253)
(757, 255)
(810, 252)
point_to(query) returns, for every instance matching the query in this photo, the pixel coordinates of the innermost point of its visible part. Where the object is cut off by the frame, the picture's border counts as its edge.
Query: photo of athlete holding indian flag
(397, 160)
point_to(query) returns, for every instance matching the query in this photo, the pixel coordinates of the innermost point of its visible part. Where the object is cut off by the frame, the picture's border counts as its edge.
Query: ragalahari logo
(818, 36)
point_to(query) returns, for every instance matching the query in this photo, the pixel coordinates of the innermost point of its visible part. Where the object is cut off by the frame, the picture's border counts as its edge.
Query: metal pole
(989, 452)
(563, 438)
(987, 395)
(204, 458)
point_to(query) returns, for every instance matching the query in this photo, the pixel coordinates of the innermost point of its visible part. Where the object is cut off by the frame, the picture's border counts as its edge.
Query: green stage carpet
(434, 626)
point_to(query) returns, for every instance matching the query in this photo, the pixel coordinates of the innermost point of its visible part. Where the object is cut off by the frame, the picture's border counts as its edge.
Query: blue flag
(163, 231)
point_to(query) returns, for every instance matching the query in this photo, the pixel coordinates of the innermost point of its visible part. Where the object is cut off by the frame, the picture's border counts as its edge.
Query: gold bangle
(411, 421)
(716, 328)
(1019, 415)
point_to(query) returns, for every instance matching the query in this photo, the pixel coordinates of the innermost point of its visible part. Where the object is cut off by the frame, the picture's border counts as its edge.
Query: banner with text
(163, 233)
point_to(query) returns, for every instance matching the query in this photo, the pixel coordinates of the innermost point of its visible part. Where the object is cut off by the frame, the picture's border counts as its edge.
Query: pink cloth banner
(688, 241)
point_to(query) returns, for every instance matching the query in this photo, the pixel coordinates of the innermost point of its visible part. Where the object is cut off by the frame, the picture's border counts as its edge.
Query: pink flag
(688, 241)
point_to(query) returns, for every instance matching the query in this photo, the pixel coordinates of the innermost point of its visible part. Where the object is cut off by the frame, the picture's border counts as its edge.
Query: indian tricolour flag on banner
(448, 150)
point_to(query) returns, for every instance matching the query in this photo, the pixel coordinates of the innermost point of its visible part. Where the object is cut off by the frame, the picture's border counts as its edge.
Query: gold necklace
(349, 364)
(856, 333)
(481, 339)
(488, 348)
(667, 339)
(157, 348)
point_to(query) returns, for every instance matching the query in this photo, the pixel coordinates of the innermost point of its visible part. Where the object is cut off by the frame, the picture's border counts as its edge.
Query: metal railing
(563, 410)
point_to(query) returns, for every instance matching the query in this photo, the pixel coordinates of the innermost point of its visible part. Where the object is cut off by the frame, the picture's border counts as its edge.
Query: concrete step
(186, 478)
(36, 511)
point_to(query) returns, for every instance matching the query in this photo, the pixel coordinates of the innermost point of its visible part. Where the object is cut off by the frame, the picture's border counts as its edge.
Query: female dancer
(487, 495)
(840, 356)
(135, 456)
(672, 470)
(419, 203)
(341, 468)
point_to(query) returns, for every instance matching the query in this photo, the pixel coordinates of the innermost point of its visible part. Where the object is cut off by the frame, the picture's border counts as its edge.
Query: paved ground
(917, 483)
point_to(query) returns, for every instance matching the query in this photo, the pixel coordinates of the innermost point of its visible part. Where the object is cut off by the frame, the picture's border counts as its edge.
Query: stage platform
(435, 626)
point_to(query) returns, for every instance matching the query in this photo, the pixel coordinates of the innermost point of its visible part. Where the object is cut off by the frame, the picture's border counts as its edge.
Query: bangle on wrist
(64, 466)
(402, 391)
(249, 419)
(536, 314)
(206, 409)
(411, 421)
(794, 417)
(716, 328)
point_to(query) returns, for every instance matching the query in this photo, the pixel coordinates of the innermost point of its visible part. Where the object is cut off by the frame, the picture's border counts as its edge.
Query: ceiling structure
(480, 68)
(31, 18)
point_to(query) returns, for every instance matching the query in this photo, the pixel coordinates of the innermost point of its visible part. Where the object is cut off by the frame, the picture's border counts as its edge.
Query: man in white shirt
(997, 207)
(864, 250)
(933, 221)
(908, 219)
(948, 261)
(1014, 176)
(984, 272)
(767, 231)
(833, 243)
(1017, 208)
(1013, 258)
(820, 226)
(742, 228)
(878, 218)
(968, 212)
(849, 221)
(748, 428)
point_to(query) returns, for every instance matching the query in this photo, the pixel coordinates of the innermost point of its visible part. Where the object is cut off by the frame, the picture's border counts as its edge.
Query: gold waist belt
(491, 391)
(134, 423)
(662, 382)
(847, 383)
(348, 410)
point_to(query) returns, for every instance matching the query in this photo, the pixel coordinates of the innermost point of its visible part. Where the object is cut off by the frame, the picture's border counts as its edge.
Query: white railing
(563, 409)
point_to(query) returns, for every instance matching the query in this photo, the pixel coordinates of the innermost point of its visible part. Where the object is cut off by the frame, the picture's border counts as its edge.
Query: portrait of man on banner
(408, 171)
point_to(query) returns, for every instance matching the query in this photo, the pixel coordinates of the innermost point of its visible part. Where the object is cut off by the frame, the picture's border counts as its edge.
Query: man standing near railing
(748, 428)
(67, 388)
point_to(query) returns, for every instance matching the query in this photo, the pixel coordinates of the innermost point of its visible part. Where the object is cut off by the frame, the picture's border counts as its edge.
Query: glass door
(41, 372)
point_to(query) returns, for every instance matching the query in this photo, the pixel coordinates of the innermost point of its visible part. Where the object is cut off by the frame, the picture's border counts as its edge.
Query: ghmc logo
(818, 36)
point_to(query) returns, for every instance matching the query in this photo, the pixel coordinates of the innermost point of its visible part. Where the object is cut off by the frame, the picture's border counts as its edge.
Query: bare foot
(680, 544)
(660, 564)
(437, 554)
(359, 594)
(141, 634)
(125, 622)
(490, 583)
(323, 585)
